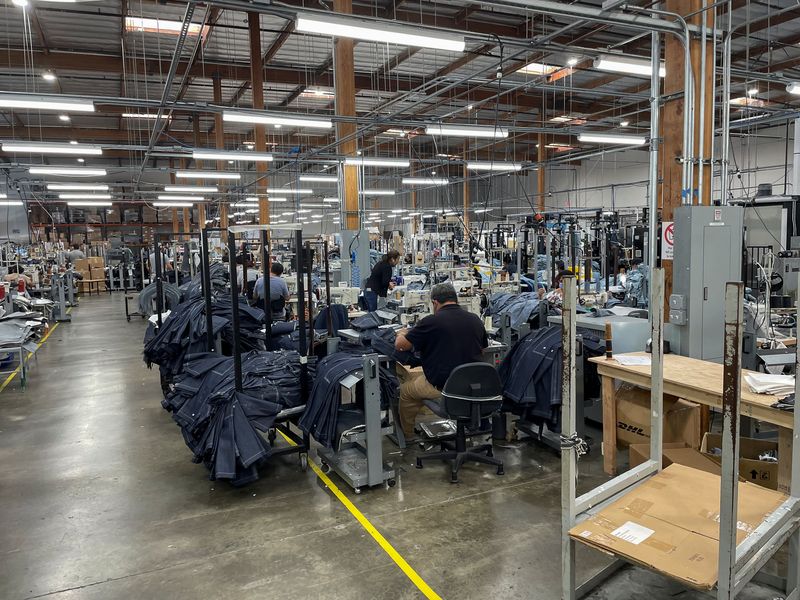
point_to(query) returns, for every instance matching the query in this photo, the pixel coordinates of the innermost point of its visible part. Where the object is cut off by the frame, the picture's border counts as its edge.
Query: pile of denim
(221, 425)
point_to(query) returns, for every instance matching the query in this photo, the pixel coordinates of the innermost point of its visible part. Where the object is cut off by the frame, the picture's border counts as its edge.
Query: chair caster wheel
(391, 483)
(326, 468)
(304, 462)
(454, 479)
(357, 490)
(500, 471)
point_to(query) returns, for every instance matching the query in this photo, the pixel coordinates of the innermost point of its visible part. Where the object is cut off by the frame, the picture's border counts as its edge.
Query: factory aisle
(99, 500)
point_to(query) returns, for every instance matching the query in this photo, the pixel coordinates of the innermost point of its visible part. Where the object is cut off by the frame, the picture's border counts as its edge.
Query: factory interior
(399, 299)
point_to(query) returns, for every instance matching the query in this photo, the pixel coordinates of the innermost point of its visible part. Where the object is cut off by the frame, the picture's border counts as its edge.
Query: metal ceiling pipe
(655, 115)
(158, 126)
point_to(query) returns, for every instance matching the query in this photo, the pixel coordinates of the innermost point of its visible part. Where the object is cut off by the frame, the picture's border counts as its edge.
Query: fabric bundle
(339, 318)
(323, 409)
(147, 297)
(531, 376)
(221, 425)
(183, 332)
(21, 329)
(219, 280)
(522, 307)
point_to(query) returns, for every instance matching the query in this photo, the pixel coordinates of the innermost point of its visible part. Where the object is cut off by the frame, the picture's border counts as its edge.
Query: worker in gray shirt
(278, 291)
(75, 254)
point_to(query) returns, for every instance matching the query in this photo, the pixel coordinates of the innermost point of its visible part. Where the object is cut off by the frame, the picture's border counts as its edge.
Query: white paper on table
(633, 361)
(633, 533)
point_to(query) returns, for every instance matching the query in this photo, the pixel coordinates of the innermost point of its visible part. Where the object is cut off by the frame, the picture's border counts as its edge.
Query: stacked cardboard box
(91, 269)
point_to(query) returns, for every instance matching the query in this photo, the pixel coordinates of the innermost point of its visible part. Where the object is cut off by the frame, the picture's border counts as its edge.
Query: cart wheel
(326, 468)
(500, 471)
(391, 482)
(357, 490)
(304, 461)
(419, 463)
(129, 319)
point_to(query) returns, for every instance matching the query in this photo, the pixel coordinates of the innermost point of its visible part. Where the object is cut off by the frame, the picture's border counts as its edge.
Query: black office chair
(472, 393)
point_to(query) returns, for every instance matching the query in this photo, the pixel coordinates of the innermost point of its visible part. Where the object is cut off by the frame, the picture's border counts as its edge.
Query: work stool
(473, 392)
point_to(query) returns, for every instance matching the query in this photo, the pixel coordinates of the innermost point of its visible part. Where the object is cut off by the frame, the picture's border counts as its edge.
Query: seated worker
(15, 274)
(509, 266)
(278, 292)
(448, 338)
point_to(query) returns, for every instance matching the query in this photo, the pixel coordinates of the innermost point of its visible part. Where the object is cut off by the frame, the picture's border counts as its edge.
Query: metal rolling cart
(300, 443)
(358, 460)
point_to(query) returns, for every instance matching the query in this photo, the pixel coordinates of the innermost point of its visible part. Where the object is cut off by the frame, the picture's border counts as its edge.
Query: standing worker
(380, 281)
(75, 254)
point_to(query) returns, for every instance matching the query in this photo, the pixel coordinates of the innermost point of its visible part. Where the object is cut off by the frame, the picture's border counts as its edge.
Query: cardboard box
(96, 261)
(681, 418)
(670, 523)
(81, 265)
(751, 469)
(674, 452)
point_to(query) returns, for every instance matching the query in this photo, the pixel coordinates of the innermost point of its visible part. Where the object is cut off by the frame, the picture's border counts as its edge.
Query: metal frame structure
(738, 564)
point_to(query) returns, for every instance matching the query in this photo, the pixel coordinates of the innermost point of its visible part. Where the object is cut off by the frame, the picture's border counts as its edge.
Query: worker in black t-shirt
(447, 339)
(380, 280)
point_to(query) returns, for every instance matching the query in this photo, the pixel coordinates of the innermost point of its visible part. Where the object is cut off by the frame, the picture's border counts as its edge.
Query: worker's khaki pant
(414, 390)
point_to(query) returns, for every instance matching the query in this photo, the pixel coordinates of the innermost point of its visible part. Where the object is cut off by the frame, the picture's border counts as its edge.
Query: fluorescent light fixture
(536, 68)
(627, 65)
(143, 24)
(68, 171)
(10, 202)
(301, 191)
(494, 166)
(358, 29)
(81, 160)
(286, 214)
(414, 214)
(88, 203)
(793, 88)
(191, 188)
(233, 155)
(75, 187)
(571, 62)
(366, 161)
(467, 131)
(172, 198)
(251, 211)
(425, 181)
(377, 192)
(406, 218)
(752, 91)
(398, 211)
(52, 148)
(303, 211)
(144, 116)
(48, 76)
(3, 196)
(624, 123)
(173, 204)
(331, 200)
(428, 216)
(317, 216)
(207, 175)
(243, 203)
(84, 197)
(270, 199)
(320, 178)
(601, 138)
(272, 118)
(317, 94)
(64, 118)
(42, 102)
(482, 210)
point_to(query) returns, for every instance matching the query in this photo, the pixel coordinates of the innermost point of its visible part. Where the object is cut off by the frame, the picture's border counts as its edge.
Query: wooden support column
(672, 151)
(201, 208)
(257, 79)
(345, 88)
(187, 220)
(219, 138)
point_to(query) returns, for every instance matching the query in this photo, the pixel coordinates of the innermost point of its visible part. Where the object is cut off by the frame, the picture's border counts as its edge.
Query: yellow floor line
(373, 531)
(16, 371)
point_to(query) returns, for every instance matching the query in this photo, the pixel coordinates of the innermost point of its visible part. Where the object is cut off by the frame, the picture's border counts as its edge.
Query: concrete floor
(99, 500)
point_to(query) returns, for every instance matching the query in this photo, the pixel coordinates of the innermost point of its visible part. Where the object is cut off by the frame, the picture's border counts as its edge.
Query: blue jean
(371, 299)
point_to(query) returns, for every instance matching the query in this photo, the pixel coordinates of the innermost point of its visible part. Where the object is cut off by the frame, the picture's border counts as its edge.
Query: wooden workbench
(697, 381)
